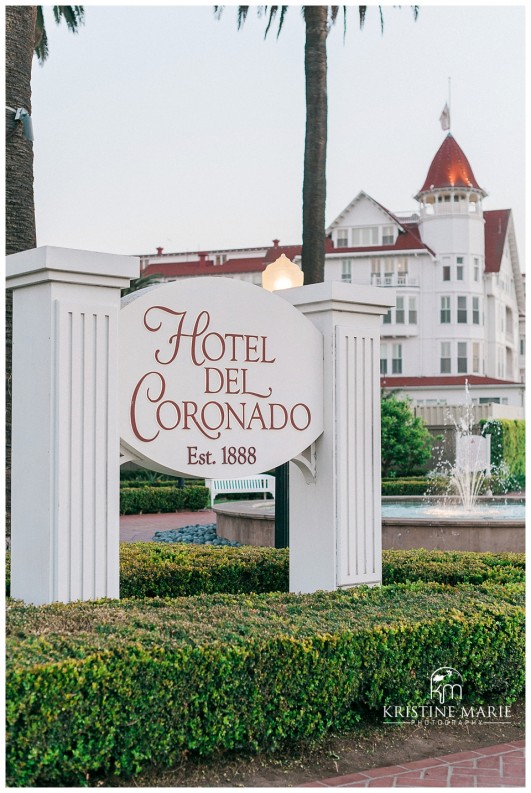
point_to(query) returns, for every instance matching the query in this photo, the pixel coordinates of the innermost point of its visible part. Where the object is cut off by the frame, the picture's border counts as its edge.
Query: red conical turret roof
(450, 168)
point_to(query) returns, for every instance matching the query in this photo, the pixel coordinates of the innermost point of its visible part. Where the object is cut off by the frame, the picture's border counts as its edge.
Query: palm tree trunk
(20, 207)
(314, 184)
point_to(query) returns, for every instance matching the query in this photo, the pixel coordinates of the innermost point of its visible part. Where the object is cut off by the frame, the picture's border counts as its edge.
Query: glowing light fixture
(282, 274)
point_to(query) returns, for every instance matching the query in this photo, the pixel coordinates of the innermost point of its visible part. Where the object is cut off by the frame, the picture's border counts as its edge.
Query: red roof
(450, 168)
(442, 380)
(205, 267)
(496, 223)
(277, 250)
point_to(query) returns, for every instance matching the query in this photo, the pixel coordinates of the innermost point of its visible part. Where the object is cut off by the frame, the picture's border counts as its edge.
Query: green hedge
(507, 444)
(174, 570)
(177, 570)
(414, 486)
(135, 500)
(112, 686)
(155, 570)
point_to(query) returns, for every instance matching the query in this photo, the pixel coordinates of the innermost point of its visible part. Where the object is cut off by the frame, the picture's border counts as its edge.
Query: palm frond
(242, 15)
(74, 16)
(41, 39)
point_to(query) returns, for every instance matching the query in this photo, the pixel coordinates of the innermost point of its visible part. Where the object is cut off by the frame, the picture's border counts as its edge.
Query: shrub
(111, 686)
(452, 567)
(406, 441)
(414, 486)
(164, 570)
(176, 570)
(507, 446)
(134, 500)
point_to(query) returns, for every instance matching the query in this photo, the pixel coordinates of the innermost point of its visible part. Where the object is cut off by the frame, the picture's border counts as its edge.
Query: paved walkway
(141, 528)
(495, 766)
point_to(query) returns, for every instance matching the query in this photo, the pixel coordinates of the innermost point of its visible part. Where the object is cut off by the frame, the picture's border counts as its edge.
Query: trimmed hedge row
(177, 570)
(112, 686)
(135, 500)
(156, 570)
(415, 486)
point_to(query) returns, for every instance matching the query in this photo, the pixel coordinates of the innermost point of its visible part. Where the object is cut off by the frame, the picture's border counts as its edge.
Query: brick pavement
(141, 528)
(502, 765)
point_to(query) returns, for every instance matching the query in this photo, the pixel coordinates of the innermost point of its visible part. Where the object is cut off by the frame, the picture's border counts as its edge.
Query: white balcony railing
(403, 279)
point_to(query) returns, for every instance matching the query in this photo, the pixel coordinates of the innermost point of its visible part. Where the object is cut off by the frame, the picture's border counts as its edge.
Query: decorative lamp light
(282, 274)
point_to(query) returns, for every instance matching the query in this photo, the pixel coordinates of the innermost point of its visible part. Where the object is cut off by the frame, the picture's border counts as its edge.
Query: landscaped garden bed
(114, 686)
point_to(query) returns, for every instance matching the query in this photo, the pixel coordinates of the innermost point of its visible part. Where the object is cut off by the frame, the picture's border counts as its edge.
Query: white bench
(244, 484)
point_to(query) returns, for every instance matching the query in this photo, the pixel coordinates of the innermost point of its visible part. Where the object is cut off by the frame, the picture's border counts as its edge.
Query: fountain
(461, 519)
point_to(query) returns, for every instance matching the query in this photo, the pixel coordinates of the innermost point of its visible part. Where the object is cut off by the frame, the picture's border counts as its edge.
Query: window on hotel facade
(397, 359)
(461, 310)
(476, 269)
(389, 271)
(346, 271)
(446, 314)
(475, 357)
(462, 360)
(387, 318)
(460, 272)
(401, 270)
(383, 359)
(446, 357)
(446, 272)
(342, 238)
(399, 311)
(365, 237)
(388, 236)
(412, 310)
(475, 310)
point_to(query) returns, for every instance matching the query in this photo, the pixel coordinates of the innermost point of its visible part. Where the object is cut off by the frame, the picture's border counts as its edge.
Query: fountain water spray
(472, 464)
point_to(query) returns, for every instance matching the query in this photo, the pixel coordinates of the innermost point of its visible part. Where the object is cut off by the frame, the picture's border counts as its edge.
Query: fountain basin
(253, 523)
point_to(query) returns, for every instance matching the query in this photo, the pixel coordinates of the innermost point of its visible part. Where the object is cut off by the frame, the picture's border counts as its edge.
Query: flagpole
(449, 104)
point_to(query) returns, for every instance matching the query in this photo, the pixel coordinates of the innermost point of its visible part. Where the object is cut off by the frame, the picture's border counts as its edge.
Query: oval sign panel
(218, 378)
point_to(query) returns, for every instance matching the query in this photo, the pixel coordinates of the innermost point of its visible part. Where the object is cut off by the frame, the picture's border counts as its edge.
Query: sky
(164, 126)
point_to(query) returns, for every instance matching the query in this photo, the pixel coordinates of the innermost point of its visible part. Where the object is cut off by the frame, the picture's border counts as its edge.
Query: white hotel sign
(218, 378)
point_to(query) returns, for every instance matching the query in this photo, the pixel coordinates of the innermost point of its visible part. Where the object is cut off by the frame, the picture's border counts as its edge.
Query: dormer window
(342, 238)
(365, 237)
(388, 235)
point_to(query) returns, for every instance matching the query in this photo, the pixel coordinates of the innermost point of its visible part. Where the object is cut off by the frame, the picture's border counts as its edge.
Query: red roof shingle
(450, 168)
(496, 224)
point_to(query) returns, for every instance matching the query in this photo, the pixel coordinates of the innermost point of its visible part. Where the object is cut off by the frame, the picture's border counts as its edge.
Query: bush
(452, 567)
(164, 570)
(507, 446)
(111, 686)
(414, 486)
(406, 441)
(135, 500)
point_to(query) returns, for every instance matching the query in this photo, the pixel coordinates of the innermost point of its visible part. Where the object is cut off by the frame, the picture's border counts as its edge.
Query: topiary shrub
(135, 500)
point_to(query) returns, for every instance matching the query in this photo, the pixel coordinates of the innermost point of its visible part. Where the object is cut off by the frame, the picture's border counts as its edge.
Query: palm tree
(318, 21)
(25, 35)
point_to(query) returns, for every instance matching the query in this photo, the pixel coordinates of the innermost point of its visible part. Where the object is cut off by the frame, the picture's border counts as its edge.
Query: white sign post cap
(49, 263)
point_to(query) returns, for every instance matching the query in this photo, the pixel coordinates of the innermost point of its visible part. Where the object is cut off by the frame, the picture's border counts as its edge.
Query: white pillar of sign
(65, 434)
(335, 492)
